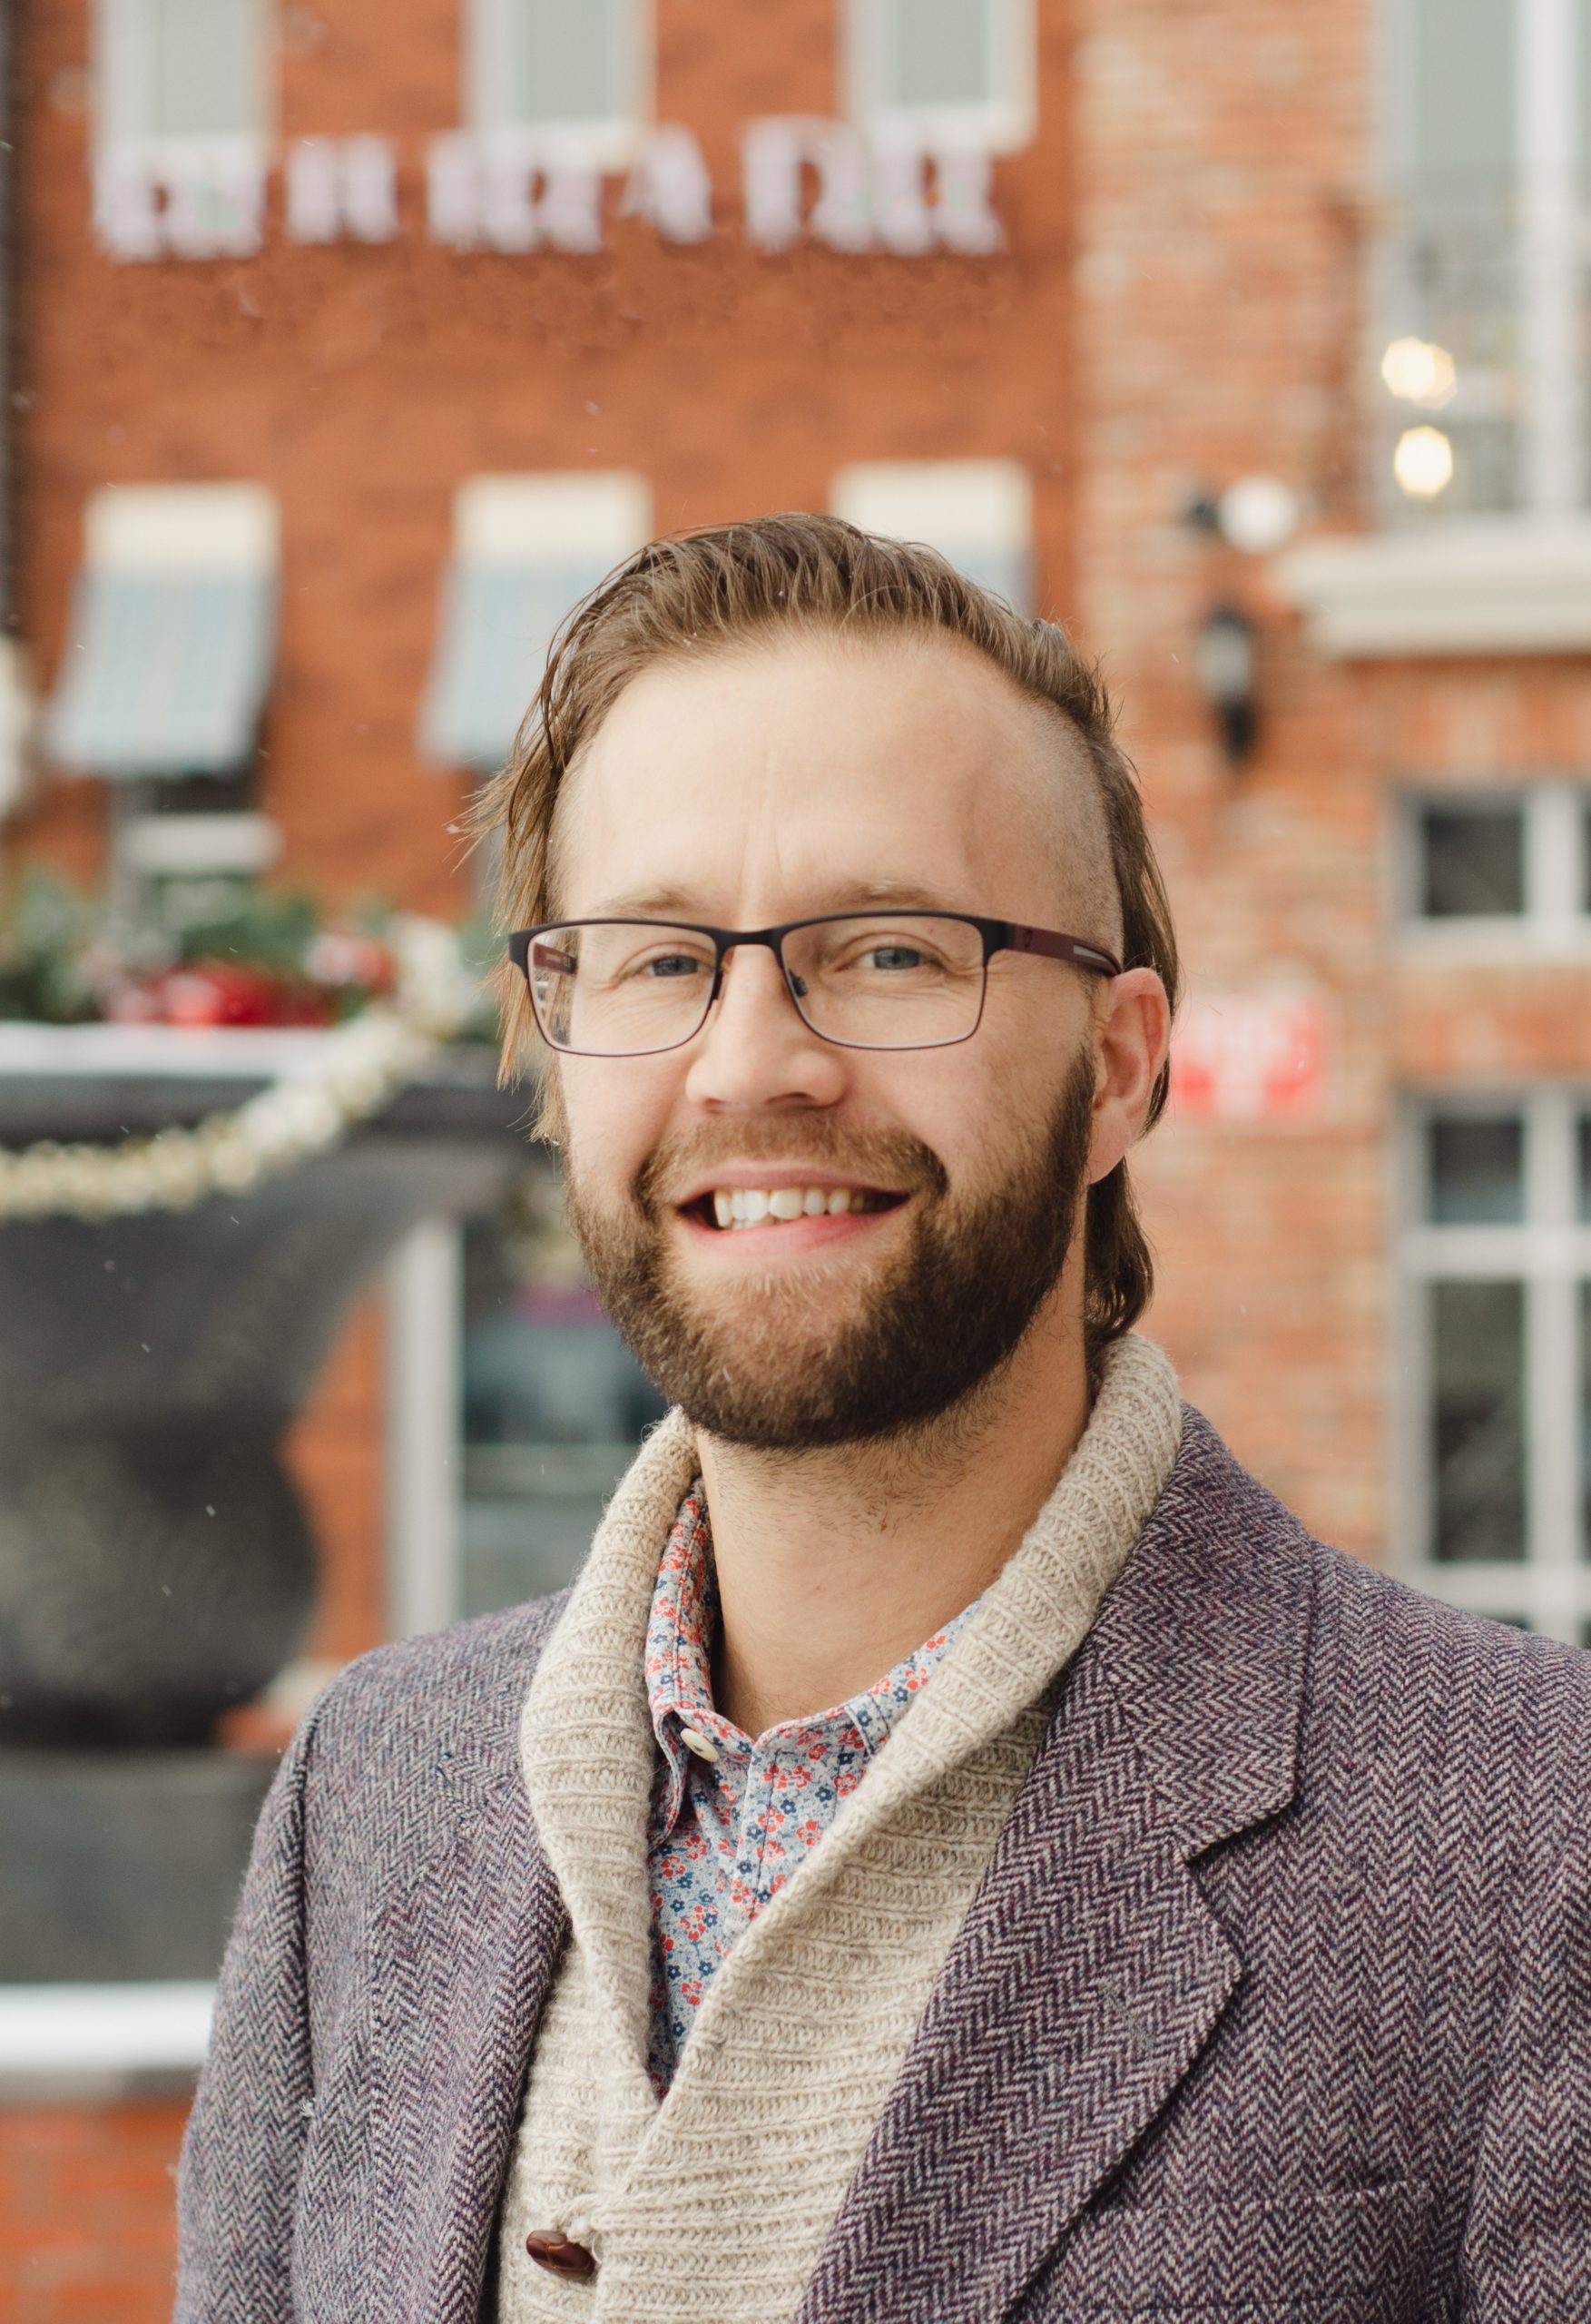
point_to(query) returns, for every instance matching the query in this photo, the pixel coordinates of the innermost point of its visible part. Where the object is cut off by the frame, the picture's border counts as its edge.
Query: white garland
(308, 1112)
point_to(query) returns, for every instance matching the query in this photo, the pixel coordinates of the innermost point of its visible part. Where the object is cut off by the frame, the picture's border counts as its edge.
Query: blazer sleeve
(1528, 2238)
(238, 2177)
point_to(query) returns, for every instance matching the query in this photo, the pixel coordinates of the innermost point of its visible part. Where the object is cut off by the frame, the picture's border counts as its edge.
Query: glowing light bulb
(1416, 371)
(1423, 462)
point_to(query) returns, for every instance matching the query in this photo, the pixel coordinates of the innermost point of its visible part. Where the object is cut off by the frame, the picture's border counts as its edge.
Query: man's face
(790, 779)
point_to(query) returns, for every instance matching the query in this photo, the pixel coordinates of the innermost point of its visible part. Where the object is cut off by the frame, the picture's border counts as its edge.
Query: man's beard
(767, 1362)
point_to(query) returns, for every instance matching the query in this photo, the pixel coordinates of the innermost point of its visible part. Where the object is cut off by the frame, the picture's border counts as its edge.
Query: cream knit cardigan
(716, 2203)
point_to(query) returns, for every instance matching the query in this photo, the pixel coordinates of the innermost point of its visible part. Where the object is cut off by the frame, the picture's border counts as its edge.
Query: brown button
(558, 2255)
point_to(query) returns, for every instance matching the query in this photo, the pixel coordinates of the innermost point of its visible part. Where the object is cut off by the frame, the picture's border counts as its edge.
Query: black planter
(156, 1565)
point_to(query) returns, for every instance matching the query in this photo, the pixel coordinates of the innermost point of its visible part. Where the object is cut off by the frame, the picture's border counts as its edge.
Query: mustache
(888, 1158)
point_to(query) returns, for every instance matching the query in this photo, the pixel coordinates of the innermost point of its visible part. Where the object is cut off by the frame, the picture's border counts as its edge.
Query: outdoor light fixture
(1258, 514)
(1226, 661)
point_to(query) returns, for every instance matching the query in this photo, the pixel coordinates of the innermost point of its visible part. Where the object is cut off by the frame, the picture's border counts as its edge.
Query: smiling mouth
(736, 1209)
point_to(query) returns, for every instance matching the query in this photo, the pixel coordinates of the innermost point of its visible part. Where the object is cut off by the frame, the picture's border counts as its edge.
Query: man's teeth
(760, 1207)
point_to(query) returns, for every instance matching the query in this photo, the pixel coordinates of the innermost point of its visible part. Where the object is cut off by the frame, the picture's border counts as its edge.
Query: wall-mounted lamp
(1258, 514)
(1226, 661)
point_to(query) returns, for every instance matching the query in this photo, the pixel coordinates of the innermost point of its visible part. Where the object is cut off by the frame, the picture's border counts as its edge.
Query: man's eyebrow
(867, 894)
(853, 895)
(644, 903)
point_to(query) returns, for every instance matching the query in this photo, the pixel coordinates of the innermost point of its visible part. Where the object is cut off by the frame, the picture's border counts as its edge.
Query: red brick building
(469, 295)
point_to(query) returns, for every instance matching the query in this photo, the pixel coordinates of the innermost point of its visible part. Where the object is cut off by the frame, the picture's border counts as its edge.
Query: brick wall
(86, 2221)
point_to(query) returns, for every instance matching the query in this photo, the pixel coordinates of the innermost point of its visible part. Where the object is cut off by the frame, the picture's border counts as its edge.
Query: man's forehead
(872, 772)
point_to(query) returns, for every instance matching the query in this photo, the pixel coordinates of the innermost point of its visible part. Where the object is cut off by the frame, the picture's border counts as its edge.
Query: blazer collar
(1089, 1972)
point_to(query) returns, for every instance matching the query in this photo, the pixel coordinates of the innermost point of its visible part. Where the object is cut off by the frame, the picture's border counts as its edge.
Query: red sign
(1250, 1057)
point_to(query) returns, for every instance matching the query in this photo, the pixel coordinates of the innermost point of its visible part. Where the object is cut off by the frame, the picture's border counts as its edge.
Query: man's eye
(672, 964)
(896, 956)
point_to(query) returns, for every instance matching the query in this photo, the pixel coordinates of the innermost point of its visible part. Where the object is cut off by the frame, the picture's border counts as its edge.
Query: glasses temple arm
(1019, 938)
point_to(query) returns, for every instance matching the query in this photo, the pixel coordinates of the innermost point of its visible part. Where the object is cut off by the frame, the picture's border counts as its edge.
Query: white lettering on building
(804, 179)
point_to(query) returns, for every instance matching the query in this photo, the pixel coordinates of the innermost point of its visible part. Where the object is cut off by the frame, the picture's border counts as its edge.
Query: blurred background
(342, 347)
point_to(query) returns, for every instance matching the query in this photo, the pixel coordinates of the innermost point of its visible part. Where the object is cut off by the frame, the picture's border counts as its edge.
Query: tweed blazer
(1274, 2002)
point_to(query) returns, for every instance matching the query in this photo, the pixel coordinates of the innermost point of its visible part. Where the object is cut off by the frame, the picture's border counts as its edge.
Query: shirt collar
(680, 1634)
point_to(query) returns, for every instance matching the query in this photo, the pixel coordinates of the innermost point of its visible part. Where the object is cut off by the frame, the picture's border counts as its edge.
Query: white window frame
(610, 142)
(425, 1454)
(1554, 924)
(1550, 387)
(123, 104)
(1003, 123)
(1550, 1254)
(190, 195)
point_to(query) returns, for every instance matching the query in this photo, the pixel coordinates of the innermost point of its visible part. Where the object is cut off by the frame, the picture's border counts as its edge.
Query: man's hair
(730, 586)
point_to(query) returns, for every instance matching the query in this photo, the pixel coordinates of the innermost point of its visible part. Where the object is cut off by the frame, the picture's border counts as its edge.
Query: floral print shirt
(732, 1817)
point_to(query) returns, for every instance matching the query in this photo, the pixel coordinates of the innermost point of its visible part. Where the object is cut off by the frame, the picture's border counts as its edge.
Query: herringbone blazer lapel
(1089, 1972)
(462, 1961)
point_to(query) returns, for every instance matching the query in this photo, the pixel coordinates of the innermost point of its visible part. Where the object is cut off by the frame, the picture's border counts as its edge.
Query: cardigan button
(558, 2255)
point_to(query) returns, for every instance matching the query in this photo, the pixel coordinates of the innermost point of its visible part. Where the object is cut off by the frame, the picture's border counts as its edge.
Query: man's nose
(756, 1048)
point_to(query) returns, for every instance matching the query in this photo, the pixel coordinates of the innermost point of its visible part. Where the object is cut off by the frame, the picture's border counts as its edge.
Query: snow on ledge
(1501, 585)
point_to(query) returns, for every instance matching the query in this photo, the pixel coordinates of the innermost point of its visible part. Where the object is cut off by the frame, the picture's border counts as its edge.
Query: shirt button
(700, 1744)
(558, 2255)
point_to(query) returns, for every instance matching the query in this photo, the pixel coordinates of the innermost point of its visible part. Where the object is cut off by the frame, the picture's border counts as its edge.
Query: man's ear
(1132, 1036)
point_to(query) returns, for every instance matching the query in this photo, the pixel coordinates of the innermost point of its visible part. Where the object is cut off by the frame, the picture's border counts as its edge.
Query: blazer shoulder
(1386, 1619)
(431, 1718)
(1502, 1710)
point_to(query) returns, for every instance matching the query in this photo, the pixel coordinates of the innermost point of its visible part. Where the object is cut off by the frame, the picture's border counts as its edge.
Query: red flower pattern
(726, 1836)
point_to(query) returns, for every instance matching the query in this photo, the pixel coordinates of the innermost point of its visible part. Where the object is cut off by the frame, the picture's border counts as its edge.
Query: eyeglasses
(863, 981)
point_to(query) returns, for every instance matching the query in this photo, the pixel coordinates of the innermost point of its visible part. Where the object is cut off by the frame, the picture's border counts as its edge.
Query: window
(163, 681)
(525, 549)
(977, 513)
(578, 77)
(1498, 871)
(1482, 308)
(181, 129)
(171, 69)
(514, 1409)
(942, 74)
(554, 1403)
(1494, 1289)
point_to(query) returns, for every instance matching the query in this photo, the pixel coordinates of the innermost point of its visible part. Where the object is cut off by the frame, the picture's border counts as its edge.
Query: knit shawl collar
(586, 1743)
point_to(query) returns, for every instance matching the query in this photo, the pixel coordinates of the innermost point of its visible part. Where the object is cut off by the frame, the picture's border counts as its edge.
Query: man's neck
(832, 1565)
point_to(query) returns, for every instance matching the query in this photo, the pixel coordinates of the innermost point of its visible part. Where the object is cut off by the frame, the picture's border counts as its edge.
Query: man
(961, 1851)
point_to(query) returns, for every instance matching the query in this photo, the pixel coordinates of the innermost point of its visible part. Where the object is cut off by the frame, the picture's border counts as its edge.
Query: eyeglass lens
(880, 980)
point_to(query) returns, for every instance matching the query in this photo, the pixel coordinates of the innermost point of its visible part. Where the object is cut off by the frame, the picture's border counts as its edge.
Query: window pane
(1458, 274)
(1477, 1419)
(1477, 1170)
(207, 61)
(567, 59)
(938, 52)
(1472, 861)
(553, 1402)
(1583, 59)
(1464, 106)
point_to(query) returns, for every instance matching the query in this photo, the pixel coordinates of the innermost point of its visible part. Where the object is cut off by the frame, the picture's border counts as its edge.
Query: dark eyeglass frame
(997, 935)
